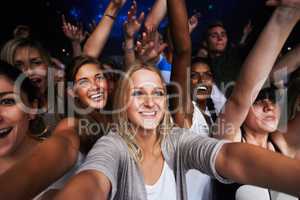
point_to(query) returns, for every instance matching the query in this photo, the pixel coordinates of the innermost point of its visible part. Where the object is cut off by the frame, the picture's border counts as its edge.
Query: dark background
(44, 17)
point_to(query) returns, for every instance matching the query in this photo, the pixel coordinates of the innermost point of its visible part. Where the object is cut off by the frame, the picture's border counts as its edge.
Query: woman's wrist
(286, 14)
(128, 46)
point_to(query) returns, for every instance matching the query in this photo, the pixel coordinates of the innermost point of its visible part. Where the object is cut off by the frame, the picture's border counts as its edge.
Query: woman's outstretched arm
(89, 184)
(257, 67)
(49, 161)
(249, 164)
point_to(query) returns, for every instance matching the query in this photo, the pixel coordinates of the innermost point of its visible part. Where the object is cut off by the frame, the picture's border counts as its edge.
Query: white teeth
(201, 87)
(148, 113)
(4, 130)
(97, 97)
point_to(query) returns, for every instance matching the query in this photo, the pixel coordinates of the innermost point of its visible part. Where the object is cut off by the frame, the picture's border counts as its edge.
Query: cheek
(225, 39)
(134, 104)
(41, 70)
(163, 103)
(132, 110)
(214, 41)
(14, 116)
(194, 82)
(253, 116)
(81, 93)
(209, 81)
(106, 86)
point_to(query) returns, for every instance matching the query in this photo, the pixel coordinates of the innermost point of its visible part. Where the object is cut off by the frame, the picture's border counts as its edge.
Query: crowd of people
(162, 124)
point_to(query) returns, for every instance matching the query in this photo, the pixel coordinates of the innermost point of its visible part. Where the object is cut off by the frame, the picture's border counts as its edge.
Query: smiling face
(14, 123)
(31, 63)
(263, 116)
(217, 39)
(201, 80)
(91, 86)
(147, 100)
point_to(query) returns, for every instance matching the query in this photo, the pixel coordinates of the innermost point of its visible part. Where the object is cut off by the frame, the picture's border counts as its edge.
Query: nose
(95, 85)
(201, 79)
(220, 37)
(27, 70)
(268, 106)
(148, 101)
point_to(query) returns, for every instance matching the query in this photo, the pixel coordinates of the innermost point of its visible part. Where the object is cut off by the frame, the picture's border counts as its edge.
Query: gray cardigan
(182, 150)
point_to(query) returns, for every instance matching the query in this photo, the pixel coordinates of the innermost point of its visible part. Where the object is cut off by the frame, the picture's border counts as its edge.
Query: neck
(43, 102)
(147, 140)
(202, 104)
(256, 138)
(96, 115)
(22, 151)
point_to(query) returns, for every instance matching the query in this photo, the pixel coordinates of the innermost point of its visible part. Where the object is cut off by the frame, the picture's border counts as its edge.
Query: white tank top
(165, 187)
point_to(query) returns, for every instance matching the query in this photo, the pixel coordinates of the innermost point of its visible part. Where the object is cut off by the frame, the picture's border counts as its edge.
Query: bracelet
(128, 49)
(110, 16)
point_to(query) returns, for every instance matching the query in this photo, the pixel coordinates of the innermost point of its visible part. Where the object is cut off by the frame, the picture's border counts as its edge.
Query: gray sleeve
(105, 157)
(200, 153)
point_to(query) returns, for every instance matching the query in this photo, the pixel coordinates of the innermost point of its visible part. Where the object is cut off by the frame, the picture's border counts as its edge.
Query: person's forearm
(49, 161)
(257, 67)
(76, 47)
(96, 42)
(129, 52)
(249, 164)
(264, 54)
(157, 14)
(182, 57)
(90, 185)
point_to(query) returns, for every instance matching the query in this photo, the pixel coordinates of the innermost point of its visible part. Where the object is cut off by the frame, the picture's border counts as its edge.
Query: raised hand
(74, 33)
(133, 24)
(149, 48)
(193, 22)
(118, 3)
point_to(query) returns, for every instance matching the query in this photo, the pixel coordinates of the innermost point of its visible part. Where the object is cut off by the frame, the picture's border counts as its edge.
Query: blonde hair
(124, 126)
(9, 50)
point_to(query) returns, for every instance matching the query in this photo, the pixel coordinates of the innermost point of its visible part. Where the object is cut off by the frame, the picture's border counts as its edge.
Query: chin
(202, 97)
(150, 125)
(96, 105)
(269, 127)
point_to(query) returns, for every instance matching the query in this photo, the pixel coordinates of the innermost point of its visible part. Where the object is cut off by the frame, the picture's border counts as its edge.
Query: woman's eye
(100, 77)
(8, 101)
(159, 93)
(18, 65)
(137, 93)
(194, 75)
(37, 62)
(83, 82)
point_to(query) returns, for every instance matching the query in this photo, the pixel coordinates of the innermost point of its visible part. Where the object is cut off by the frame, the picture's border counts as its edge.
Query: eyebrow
(140, 88)
(35, 58)
(6, 93)
(84, 78)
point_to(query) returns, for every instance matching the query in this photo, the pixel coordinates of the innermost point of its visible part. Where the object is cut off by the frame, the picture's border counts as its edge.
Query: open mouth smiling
(5, 132)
